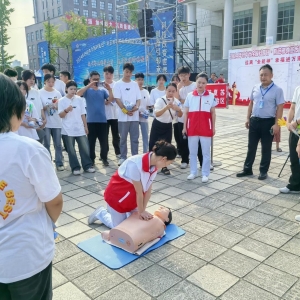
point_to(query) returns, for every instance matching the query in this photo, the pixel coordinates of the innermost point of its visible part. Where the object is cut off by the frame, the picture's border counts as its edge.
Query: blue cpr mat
(116, 258)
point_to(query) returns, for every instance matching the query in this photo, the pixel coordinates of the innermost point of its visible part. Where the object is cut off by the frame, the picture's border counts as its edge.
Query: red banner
(221, 93)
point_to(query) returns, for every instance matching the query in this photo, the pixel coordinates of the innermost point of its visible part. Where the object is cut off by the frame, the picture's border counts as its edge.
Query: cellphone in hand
(271, 131)
(99, 84)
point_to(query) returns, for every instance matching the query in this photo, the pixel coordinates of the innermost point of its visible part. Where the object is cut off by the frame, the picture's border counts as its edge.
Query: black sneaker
(263, 176)
(244, 173)
(105, 162)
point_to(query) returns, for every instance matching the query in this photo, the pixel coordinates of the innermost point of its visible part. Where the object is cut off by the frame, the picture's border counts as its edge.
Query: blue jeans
(84, 151)
(144, 130)
(56, 137)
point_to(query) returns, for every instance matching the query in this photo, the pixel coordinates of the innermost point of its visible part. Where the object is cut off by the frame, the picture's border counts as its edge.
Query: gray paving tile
(81, 212)
(161, 252)
(241, 227)
(182, 263)
(97, 188)
(189, 197)
(240, 191)
(193, 210)
(218, 185)
(232, 210)
(72, 229)
(64, 250)
(76, 265)
(155, 280)
(210, 203)
(254, 249)
(284, 226)
(64, 219)
(289, 215)
(235, 263)
(174, 203)
(271, 237)
(173, 191)
(224, 196)
(57, 279)
(69, 291)
(89, 282)
(257, 218)
(271, 209)
(246, 202)
(72, 204)
(293, 293)
(205, 249)
(185, 291)
(205, 191)
(282, 201)
(245, 290)
(77, 193)
(213, 280)
(90, 198)
(179, 218)
(224, 237)
(83, 236)
(285, 261)
(231, 181)
(184, 240)
(158, 197)
(198, 227)
(256, 195)
(69, 187)
(216, 218)
(269, 189)
(124, 291)
(84, 182)
(271, 279)
(292, 246)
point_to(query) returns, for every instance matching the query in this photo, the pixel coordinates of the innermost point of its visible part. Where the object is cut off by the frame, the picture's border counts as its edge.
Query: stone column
(228, 23)
(272, 17)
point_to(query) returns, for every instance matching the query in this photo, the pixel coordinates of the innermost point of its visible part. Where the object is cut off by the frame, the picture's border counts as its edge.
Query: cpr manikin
(133, 233)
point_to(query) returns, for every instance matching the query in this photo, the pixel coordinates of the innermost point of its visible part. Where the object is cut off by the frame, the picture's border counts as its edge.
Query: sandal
(279, 150)
(165, 171)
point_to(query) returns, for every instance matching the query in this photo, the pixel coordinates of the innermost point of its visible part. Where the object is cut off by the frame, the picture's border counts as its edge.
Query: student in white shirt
(143, 111)
(50, 96)
(59, 85)
(31, 114)
(74, 128)
(111, 110)
(165, 109)
(34, 96)
(160, 90)
(128, 96)
(30, 200)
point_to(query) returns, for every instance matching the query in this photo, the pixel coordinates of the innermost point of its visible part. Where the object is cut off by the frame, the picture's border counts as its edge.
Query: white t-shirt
(155, 94)
(72, 124)
(27, 181)
(145, 101)
(183, 92)
(296, 100)
(60, 86)
(52, 117)
(29, 132)
(34, 97)
(127, 92)
(166, 116)
(111, 109)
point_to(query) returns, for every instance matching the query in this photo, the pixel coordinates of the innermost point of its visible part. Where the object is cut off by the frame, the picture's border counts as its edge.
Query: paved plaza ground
(241, 240)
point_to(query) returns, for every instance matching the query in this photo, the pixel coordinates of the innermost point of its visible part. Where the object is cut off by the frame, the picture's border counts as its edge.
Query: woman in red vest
(129, 189)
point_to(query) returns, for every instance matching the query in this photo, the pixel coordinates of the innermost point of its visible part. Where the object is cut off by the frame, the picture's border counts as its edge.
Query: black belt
(262, 119)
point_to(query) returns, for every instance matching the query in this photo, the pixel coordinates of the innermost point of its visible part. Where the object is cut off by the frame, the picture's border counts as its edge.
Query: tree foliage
(5, 12)
(133, 12)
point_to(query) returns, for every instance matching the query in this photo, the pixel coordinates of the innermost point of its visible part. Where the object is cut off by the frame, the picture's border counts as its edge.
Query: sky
(21, 17)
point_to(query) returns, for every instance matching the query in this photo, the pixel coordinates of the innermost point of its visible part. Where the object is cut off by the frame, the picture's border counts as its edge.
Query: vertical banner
(43, 53)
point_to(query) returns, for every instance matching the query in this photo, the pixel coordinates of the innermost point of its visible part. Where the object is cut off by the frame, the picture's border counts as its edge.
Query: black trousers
(183, 145)
(176, 136)
(98, 131)
(200, 156)
(113, 124)
(259, 130)
(294, 181)
(160, 131)
(37, 287)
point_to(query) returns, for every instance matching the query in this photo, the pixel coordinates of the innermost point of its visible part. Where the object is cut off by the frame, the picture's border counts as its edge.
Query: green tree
(5, 12)
(133, 12)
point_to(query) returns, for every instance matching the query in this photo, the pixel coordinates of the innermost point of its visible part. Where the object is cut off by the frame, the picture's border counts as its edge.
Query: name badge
(261, 104)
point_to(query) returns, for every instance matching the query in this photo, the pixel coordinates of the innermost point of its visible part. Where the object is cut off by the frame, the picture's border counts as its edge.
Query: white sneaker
(297, 218)
(211, 167)
(178, 156)
(191, 177)
(121, 160)
(93, 217)
(60, 168)
(204, 179)
(76, 172)
(286, 190)
(183, 166)
(90, 170)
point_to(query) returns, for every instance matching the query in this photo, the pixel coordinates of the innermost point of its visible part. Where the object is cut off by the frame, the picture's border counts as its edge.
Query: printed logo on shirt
(10, 200)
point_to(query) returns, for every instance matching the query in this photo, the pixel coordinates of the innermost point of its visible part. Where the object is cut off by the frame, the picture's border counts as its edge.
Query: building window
(242, 27)
(58, 1)
(37, 35)
(59, 11)
(43, 5)
(42, 34)
(76, 11)
(109, 6)
(85, 2)
(34, 64)
(263, 24)
(47, 14)
(285, 22)
(85, 13)
(28, 37)
(30, 64)
(119, 18)
(102, 5)
(125, 10)
(44, 16)
(110, 17)
(29, 51)
(32, 36)
(53, 13)
(33, 50)
(94, 14)
(76, 2)
(94, 4)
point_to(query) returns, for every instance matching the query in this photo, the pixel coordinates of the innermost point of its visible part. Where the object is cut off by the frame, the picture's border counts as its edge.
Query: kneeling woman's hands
(145, 216)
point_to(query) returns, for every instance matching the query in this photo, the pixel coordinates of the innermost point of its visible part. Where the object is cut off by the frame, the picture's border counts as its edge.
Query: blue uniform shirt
(266, 100)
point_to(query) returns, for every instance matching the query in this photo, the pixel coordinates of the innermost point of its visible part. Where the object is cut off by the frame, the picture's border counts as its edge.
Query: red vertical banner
(220, 90)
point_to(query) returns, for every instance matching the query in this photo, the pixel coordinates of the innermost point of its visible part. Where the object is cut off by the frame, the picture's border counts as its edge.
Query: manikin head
(164, 214)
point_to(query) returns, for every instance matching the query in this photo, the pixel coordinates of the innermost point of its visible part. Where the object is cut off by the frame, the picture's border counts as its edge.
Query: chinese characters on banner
(244, 65)
(43, 53)
(220, 90)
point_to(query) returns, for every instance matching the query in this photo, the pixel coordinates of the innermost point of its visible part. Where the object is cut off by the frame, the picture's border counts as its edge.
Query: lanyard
(261, 91)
